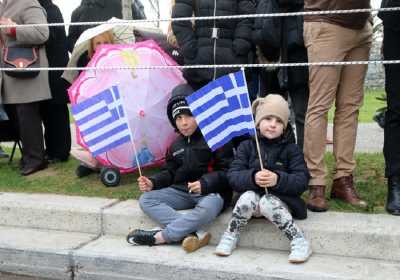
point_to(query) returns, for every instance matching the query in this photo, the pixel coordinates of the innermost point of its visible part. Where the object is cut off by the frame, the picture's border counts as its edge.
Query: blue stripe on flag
(240, 79)
(108, 134)
(244, 100)
(116, 92)
(121, 111)
(233, 104)
(230, 122)
(230, 136)
(225, 82)
(211, 102)
(95, 114)
(100, 125)
(123, 140)
(82, 106)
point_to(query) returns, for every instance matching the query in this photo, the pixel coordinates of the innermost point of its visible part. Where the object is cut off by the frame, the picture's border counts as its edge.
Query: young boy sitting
(273, 192)
(193, 177)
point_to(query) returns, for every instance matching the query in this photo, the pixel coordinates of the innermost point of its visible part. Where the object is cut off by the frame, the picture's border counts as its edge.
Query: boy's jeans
(162, 205)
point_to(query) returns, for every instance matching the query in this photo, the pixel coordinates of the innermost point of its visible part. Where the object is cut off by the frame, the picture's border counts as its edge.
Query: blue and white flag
(222, 109)
(102, 121)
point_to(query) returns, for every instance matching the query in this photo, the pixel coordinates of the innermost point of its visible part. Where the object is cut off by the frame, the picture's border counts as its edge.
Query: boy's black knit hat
(177, 103)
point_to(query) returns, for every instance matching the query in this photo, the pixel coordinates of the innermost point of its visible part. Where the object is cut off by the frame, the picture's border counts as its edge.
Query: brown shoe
(316, 199)
(343, 188)
(192, 242)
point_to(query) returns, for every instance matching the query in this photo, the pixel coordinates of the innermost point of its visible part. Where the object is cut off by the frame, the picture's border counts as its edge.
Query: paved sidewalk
(369, 138)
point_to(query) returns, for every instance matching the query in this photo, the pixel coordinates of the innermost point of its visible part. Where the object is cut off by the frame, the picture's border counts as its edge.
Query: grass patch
(370, 105)
(60, 179)
(370, 183)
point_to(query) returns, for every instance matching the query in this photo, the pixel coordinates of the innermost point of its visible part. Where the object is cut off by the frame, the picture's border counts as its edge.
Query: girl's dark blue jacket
(278, 155)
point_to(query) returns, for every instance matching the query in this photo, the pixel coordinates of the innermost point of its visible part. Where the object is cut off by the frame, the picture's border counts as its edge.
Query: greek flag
(102, 121)
(222, 109)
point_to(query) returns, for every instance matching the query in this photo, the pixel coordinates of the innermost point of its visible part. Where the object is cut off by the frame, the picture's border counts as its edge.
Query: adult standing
(335, 37)
(54, 112)
(391, 149)
(213, 42)
(286, 45)
(22, 96)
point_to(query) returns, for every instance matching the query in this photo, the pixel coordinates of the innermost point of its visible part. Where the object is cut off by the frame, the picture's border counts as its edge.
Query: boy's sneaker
(142, 237)
(227, 244)
(195, 241)
(300, 250)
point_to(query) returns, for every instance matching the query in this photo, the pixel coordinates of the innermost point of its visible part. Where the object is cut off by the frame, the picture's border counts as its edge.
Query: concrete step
(40, 253)
(54, 212)
(333, 233)
(120, 260)
(77, 256)
(343, 234)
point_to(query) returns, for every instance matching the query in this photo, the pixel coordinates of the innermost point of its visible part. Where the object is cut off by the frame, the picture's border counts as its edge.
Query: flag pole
(132, 137)
(134, 149)
(255, 130)
(136, 158)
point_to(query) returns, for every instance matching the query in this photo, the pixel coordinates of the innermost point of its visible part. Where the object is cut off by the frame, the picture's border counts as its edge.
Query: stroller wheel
(110, 177)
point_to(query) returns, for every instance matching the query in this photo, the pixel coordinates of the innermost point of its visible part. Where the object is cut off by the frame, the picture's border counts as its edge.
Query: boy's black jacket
(190, 159)
(284, 158)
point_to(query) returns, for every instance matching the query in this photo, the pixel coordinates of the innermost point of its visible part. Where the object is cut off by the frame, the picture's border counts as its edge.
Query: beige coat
(17, 91)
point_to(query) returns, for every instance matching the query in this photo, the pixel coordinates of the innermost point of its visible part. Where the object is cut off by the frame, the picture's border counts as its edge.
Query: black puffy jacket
(189, 159)
(279, 156)
(277, 35)
(233, 45)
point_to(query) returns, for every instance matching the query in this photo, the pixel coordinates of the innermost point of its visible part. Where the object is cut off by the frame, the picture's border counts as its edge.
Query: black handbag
(21, 58)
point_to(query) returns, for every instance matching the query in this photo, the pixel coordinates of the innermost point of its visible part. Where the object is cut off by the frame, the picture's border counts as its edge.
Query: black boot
(393, 198)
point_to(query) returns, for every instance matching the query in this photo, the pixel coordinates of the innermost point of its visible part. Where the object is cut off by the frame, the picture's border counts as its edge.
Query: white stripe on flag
(103, 130)
(93, 108)
(95, 121)
(210, 110)
(213, 125)
(206, 97)
(109, 140)
(211, 142)
(235, 92)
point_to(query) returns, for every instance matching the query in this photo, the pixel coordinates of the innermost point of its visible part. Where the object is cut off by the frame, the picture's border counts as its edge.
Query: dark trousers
(27, 121)
(57, 130)
(292, 81)
(391, 148)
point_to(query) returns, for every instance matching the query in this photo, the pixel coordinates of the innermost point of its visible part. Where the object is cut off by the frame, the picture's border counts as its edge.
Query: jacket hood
(178, 93)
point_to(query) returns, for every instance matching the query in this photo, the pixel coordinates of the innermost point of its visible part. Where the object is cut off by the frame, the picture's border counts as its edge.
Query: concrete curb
(64, 237)
(334, 233)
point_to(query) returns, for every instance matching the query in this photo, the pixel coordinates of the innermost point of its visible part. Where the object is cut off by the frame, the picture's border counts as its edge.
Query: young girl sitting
(273, 192)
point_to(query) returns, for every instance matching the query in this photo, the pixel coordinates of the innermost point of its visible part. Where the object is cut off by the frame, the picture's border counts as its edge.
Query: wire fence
(230, 17)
